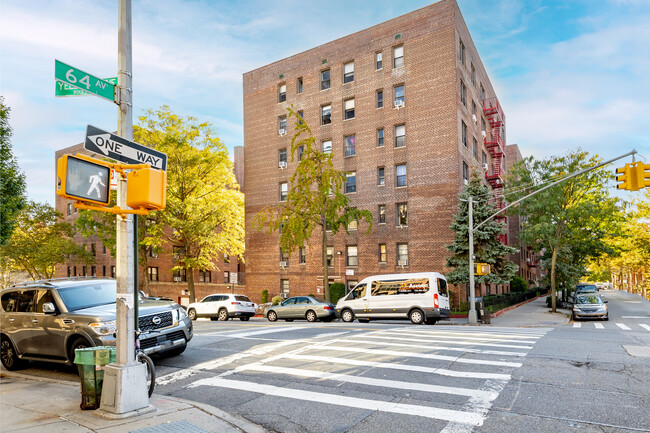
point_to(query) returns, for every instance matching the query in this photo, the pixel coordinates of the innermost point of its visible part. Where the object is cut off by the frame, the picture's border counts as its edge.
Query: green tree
(12, 179)
(569, 221)
(315, 199)
(41, 240)
(487, 249)
(205, 208)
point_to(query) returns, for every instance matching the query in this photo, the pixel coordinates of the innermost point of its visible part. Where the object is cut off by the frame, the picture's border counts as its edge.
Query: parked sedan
(302, 307)
(589, 307)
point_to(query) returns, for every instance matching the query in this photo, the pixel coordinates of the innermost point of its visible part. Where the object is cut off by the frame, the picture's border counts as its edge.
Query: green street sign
(84, 81)
(64, 89)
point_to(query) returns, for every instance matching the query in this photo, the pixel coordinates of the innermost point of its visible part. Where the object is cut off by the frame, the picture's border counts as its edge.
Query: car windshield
(242, 298)
(89, 295)
(588, 300)
(586, 288)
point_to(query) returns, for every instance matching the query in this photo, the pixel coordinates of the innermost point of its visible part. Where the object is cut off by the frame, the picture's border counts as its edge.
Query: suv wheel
(192, 314)
(347, 316)
(79, 343)
(10, 358)
(416, 316)
(311, 316)
(223, 315)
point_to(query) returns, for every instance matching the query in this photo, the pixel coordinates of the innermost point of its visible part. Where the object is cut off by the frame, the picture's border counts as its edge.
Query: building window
(351, 257)
(382, 253)
(284, 191)
(475, 148)
(303, 255)
(463, 130)
(348, 109)
(474, 111)
(300, 117)
(398, 98)
(284, 288)
(351, 182)
(380, 137)
(226, 258)
(282, 156)
(382, 214)
(400, 175)
(348, 72)
(350, 148)
(353, 225)
(112, 271)
(398, 56)
(179, 276)
(103, 271)
(402, 254)
(465, 172)
(378, 60)
(282, 92)
(400, 136)
(402, 214)
(463, 93)
(484, 158)
(483, 126)
(381, 179)
(226, 277)
(93, 250)
(69, 209)
(380, 98)
(299, 82)
(93, 271)
(284, 256)
(84, 271)
(461, 52)
(301, 150)
(178, 252)
(325, 114)
(325, 79)
(104, 249)
(330, 256)
(482, 93)
(327, 146)
(205, 277)
(473, 75)
(282, 125)
(152, 273)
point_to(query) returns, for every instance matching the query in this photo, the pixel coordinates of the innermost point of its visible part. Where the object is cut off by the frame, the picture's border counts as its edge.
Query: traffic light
(633, 176)
(146, 189)
(482, 269)
(81, 180)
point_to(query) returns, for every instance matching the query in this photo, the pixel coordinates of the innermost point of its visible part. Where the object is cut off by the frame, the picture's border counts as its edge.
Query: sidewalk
(35, 405)
(533, 313)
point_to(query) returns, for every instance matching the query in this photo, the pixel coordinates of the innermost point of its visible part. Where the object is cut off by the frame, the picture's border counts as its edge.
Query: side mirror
(605, 301)
(48, 308)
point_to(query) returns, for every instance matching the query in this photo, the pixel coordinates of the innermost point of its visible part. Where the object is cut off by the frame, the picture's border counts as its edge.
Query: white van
(421, 297)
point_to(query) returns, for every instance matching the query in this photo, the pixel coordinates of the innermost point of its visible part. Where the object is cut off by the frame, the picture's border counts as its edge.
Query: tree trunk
(190, 284)
(553, 263)
(326, 286)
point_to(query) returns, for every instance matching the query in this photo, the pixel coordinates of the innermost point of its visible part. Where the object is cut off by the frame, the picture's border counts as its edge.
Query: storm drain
(172, 427)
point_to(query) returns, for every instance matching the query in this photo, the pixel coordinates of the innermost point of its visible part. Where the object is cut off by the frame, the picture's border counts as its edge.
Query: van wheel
(222, 315)
(192, 314)
(416, 316)
(347, 316)
(311, 316)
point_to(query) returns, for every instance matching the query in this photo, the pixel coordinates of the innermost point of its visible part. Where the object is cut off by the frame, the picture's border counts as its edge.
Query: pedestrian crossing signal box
(146, 189)
(482, 269)
(81, 180)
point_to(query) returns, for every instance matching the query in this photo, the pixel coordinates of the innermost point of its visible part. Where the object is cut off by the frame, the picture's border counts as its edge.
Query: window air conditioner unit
(484, 134)
(465, 181)
(474, 118)
(177, 279)
(485, 167)
(402, 262)
(284, 295)
(282, 165)
(399, 104)
(284, 264)
(282, 131)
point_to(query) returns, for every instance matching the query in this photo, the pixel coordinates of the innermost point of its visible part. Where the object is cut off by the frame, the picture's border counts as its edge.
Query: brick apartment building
(162, 280)
(407, 109)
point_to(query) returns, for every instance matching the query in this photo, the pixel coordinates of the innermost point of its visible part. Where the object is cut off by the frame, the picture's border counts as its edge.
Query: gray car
(48, 320)
(302, 307)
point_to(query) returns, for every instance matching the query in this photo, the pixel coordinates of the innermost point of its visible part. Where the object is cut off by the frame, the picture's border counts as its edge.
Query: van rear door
(443, 294)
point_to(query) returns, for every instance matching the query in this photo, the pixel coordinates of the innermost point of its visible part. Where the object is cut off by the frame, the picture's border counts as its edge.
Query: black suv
(47, 320)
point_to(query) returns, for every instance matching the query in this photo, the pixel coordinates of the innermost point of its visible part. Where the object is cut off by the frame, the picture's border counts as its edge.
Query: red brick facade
(433, 114)
(163, 282)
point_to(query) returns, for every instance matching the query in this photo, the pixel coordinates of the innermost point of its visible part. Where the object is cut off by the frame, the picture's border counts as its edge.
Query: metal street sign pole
(471, 317)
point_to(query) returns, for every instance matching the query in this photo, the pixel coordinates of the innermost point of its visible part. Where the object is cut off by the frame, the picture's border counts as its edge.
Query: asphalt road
(394, 376)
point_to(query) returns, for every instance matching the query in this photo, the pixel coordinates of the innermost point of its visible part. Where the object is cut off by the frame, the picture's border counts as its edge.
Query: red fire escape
(494, 143)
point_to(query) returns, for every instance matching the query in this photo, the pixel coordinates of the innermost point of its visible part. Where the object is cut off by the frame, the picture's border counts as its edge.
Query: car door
(18, 317)
(48, 330)
(286, 309)
(205, 306)
(302, 305)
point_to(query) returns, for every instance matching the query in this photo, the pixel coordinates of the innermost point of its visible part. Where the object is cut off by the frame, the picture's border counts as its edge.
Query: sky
(568, 74)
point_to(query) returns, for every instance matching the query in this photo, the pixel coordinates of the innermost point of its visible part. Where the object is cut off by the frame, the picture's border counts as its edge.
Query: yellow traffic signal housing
(482, 269)
(82, 180)
(645, 175)
(146, 188)
(633, 176)
(623, 175)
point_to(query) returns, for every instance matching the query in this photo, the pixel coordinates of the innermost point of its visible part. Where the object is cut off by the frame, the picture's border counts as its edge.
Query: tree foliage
(205, 208)
(487, 249)
(569, 222)
(41, 240)
(12, 179)
(315, 199)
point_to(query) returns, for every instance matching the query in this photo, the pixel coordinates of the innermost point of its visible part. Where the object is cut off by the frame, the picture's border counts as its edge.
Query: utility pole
(471, 316)
(125, 390)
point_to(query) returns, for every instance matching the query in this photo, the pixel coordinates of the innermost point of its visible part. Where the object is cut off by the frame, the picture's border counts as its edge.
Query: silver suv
(49, 319)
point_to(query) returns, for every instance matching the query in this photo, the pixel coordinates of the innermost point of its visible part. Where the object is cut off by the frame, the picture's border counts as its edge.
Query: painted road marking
(474, 419)
(577, 325)
(644, 326)
(269, 330)
(461, 342)
(623, 327)
(431, 347)
(599, 326)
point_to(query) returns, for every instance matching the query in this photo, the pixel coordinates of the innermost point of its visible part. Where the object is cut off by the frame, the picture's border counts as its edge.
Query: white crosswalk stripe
(577, 325)
(644, 326)
(620, 326)
(330, 359)
(623, 327)
(599, 326)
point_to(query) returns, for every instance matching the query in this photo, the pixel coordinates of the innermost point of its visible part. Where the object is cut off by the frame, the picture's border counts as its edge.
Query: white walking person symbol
(95, 181)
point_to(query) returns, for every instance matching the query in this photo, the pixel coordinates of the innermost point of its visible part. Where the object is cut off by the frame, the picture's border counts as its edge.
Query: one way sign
(121, 149)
